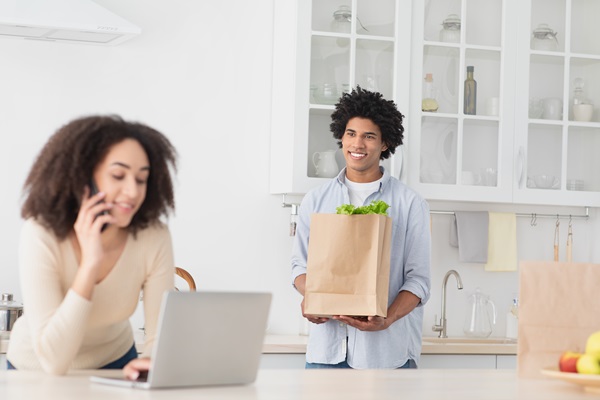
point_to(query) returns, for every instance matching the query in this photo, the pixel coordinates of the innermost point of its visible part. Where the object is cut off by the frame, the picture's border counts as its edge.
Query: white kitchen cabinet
(457, 156)
(3, 361)
(504, 361)
(558, 158)
(466, 361)
(503, 153)
(283, 361)
(449, 361)
(318, 57)
(516, 156)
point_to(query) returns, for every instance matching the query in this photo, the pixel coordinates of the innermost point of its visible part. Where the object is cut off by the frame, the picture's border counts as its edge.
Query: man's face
(362, 146)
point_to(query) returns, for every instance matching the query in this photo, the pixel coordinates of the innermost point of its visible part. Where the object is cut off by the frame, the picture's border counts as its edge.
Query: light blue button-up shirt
(333, 342)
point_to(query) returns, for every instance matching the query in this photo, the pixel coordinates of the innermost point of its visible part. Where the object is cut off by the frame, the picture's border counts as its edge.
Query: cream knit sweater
(60, 330)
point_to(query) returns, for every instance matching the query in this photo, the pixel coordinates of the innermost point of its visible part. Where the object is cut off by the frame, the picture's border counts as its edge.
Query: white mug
(470, 178)
(489, 177)
(552, 108)
(492, 106)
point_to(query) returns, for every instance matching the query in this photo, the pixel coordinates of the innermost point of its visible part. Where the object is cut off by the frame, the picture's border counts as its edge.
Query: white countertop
(293, 344)
(273, 384)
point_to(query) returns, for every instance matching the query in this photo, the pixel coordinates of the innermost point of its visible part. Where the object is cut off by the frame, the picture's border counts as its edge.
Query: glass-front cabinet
(529, 131)
(462, 100)
(322, 49)
(557, 110)
(501, 97)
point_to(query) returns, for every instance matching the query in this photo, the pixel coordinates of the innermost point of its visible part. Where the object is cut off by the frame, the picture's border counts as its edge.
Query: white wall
(201, 73)
(533, 243)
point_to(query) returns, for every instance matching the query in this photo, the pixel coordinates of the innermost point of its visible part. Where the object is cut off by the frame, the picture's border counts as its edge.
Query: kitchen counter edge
(296, 344)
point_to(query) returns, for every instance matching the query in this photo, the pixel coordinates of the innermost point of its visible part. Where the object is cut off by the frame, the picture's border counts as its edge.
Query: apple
(588, 364)
(568, 361)
(593, 344)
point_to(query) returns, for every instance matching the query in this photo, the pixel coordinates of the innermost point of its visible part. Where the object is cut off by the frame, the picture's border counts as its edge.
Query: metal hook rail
(534, 216)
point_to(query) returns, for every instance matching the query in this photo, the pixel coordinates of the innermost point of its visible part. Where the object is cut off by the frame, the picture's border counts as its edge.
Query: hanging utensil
(570, 241)
(556, 232)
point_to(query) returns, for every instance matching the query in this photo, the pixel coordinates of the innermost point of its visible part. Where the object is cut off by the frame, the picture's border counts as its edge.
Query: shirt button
(342, 324)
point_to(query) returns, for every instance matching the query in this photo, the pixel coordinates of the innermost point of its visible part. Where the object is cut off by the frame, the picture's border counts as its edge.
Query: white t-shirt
(359, 192)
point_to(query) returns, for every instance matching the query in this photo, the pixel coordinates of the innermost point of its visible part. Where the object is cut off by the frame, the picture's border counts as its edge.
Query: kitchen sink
(469, 340)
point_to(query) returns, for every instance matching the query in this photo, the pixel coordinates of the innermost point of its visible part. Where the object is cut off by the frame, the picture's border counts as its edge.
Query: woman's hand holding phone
(88, 226)
(93, 191)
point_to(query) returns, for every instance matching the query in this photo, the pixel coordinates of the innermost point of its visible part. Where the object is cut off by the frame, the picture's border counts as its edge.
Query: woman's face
(123, 176)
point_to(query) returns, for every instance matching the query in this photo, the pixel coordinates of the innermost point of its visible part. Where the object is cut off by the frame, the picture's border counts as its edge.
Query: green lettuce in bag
(376, 207)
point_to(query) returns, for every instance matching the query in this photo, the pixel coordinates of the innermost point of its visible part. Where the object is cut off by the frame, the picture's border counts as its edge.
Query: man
(368, 129)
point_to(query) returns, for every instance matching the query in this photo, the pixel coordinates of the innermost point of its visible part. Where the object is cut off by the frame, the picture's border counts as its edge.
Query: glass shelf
(483, 25)
(372, 21)
(438, 150)
(584, 27)
(443, 63)
(544, 144)
(546, 77)
(551, 12)
(374, 66)
(480, 151)
(583, 162)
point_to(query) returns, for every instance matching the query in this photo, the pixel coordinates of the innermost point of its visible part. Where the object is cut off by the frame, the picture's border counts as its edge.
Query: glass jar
(544, 38)
(341, 19)
(578, 94)
(328, 94)
(450, 32)
(429, 102)
(583, 108)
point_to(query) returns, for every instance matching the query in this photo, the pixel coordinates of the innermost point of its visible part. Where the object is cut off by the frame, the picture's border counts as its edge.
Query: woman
(84, 257)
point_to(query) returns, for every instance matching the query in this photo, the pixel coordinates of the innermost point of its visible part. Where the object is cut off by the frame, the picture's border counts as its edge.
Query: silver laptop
(205, 338)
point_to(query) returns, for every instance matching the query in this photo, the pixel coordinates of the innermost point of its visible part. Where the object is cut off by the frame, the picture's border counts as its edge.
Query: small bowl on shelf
(327, 93)
(546, 182)
(583, 112)
(575, 184)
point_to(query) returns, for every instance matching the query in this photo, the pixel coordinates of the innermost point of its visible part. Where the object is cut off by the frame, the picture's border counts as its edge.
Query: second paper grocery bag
(558, 310)
(348, 265)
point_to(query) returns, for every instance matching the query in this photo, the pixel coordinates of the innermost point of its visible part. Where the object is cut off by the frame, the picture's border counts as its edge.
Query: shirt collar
(341, 178)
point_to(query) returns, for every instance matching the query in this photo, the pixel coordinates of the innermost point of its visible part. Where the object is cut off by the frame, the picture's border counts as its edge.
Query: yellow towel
(502, 242)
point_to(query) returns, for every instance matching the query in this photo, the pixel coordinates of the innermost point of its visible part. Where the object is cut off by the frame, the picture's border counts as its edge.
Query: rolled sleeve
(417, 252)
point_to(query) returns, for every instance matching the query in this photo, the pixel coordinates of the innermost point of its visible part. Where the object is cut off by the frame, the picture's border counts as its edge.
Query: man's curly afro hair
(369, 105)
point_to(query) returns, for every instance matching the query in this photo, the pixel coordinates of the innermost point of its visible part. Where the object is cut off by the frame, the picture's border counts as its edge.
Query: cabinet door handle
(401, 162)
(521, 167)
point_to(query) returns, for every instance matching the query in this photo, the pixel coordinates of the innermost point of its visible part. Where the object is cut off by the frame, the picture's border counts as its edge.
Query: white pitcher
(325, 164)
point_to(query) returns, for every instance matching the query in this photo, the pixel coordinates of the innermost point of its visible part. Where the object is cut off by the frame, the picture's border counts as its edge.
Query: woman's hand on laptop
(136, 367)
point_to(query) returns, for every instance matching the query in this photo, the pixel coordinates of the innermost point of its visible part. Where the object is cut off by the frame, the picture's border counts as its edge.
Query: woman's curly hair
(54, 187)
(369, 105)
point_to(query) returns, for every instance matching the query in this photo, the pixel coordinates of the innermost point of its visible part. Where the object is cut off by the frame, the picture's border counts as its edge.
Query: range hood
(74, 21)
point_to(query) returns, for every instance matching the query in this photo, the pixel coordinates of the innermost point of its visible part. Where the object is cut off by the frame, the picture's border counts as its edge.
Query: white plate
(590, 383)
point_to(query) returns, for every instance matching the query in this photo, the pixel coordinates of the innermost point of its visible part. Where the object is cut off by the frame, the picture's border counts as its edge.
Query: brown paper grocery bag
(558, 310)
(348, 266)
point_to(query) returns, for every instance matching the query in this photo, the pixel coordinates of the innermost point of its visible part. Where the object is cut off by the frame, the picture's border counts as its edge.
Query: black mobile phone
(94, 190)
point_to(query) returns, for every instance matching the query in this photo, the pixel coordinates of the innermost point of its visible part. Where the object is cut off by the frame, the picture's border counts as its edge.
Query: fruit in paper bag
(588, 364)
(568, 361)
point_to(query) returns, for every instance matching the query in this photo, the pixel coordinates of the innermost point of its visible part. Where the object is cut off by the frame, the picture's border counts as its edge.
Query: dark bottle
(470, 93)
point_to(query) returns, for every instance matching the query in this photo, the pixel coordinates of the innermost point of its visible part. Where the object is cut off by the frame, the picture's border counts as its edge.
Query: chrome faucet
(441, 328)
